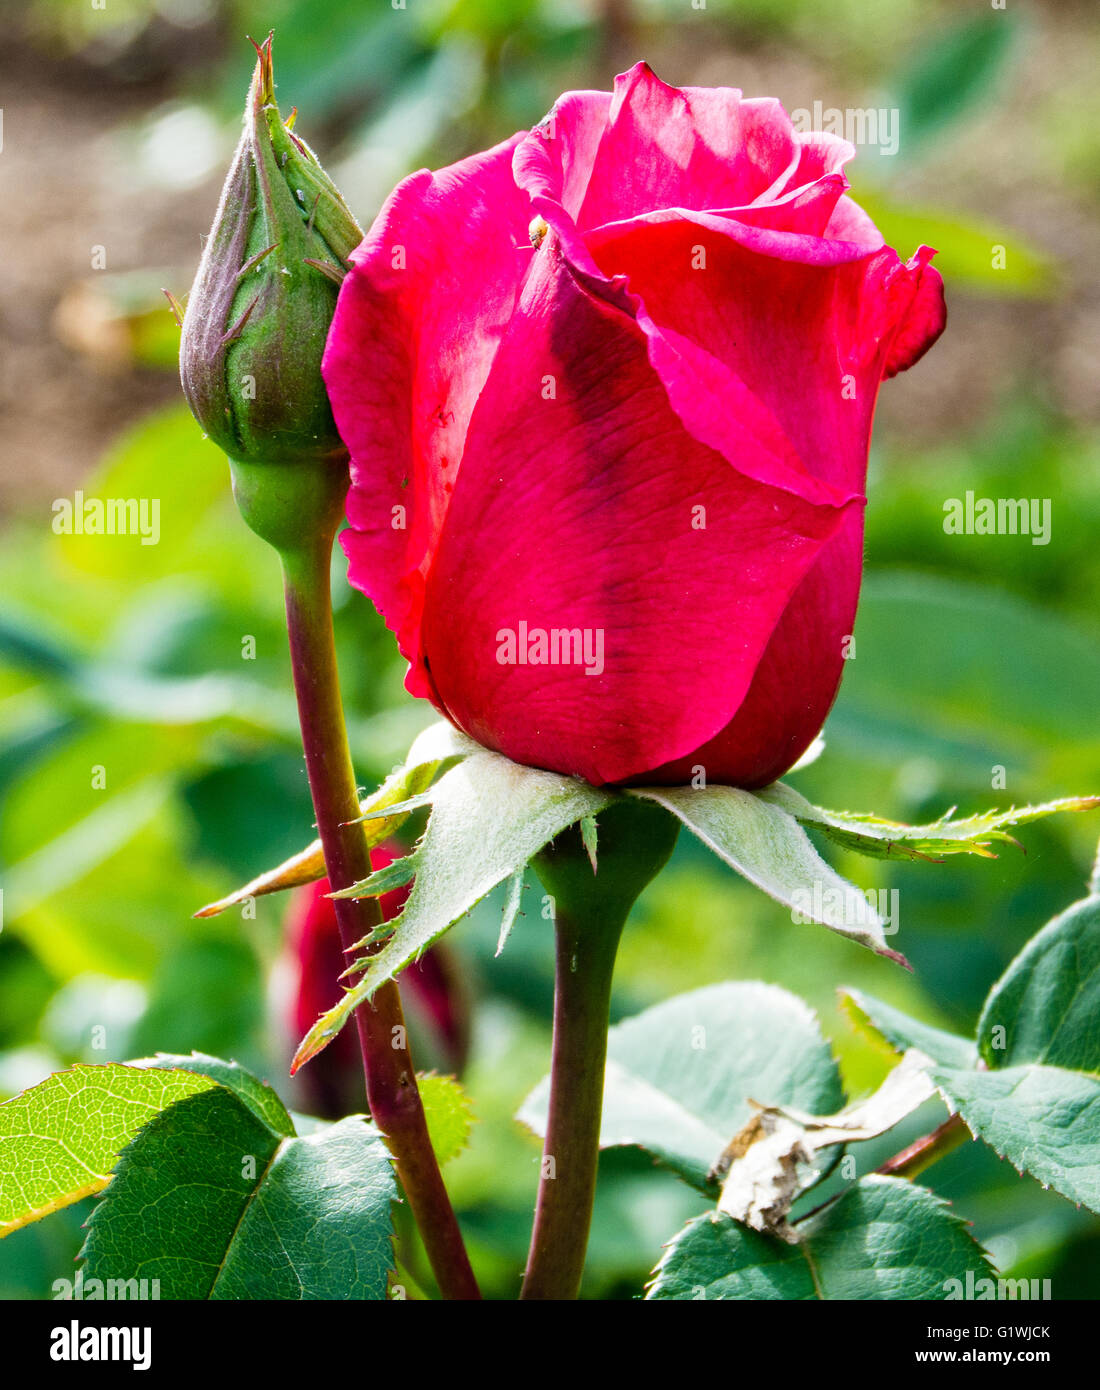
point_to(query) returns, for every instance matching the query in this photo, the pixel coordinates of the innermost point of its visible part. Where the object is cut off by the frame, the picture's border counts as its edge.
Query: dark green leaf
(215, 1204)
(257, 1095)
(882, 1239)
(1046, 1006)
(950, 72)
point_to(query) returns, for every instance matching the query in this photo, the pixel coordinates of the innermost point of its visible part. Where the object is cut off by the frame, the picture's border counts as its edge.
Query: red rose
(608, 391)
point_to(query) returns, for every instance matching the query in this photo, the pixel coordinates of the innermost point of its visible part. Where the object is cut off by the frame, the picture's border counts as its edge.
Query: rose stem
(590, 910)
(567, 1187)
(929, 1149)
(392, 1093)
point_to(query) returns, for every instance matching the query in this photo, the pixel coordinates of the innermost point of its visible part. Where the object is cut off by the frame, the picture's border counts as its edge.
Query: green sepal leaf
(765, 844)
(396, 874)
(882, 1239)
(60, 1140)
(213, 1203)
(885, 839)
(489, 817)
(511, 909)
(680, 1075)
(590, 840)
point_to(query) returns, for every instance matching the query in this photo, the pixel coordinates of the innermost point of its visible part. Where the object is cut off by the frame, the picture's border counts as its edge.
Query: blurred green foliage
(148, 749)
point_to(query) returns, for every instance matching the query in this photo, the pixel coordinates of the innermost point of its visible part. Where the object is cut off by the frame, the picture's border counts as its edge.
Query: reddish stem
(392, 1092)
(928, 1149)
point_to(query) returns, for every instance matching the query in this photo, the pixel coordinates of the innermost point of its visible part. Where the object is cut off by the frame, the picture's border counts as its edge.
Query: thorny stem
(392, 1093)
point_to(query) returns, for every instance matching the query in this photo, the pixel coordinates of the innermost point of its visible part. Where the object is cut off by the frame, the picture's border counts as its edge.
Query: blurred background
(148, 749)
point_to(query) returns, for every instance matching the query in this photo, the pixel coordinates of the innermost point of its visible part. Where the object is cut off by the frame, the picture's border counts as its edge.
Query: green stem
(590, 910)
(392, 1093)
(567, 1188)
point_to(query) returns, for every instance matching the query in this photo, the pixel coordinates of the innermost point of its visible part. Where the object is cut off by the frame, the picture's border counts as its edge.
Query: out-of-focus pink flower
(435, 998)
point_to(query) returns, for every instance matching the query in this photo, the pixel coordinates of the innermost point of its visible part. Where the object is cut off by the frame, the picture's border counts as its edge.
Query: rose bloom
(608, 391)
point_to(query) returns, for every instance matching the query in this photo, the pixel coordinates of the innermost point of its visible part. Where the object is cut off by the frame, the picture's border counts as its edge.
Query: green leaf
(766, 845)
(902, 1032)
(590, 840)
(680, 1075)
(951, 70)
(882, 1239)
(257, 1095)
(1037, 1103)
(1044, 1120)
(885, 839)
(216, 1205)
(489, 817)
(60, 1139)
(449, 1114)
(1047, 1003)
(1035, 1096)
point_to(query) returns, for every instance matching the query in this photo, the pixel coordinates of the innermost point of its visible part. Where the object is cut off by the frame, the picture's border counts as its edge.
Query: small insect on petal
(537, 231)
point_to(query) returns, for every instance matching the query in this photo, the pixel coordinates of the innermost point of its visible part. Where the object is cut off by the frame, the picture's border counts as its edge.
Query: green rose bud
(263, 298)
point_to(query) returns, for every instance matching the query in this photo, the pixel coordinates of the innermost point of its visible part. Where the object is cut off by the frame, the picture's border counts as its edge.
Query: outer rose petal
(917, 308)
(556, 158)
(810, 339)
(417, 324)
(796, 681)
(576, 512)
(692, 147)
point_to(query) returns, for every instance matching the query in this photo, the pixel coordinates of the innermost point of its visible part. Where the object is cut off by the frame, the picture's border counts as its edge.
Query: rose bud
(435, 997)
(608, 391)
(264, 295)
